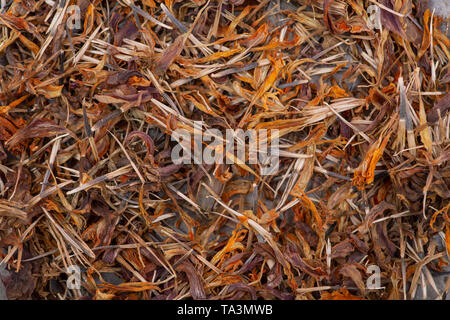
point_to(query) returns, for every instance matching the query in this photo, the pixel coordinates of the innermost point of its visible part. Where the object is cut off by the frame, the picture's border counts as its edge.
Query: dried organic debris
(92, 93)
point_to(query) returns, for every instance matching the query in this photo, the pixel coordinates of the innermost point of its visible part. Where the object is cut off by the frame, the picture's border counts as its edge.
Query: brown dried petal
(440, 107)
(38, 128)
(195, 282)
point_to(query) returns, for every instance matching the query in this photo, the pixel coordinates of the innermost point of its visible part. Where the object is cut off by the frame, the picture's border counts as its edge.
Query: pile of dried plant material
(89, 107)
